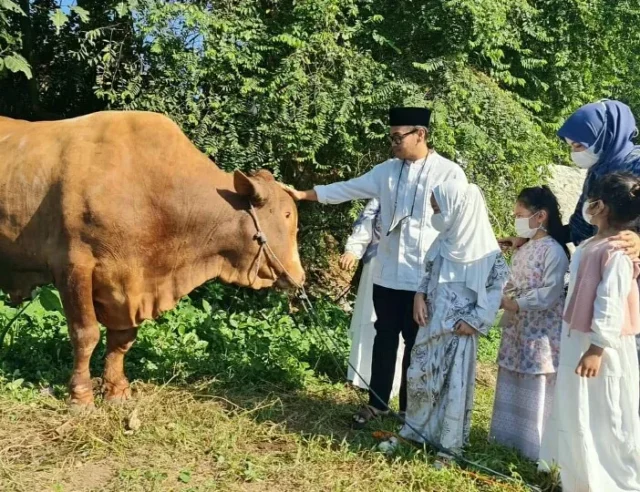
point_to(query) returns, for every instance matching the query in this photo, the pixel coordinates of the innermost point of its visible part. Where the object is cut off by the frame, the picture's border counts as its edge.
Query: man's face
(404, 140)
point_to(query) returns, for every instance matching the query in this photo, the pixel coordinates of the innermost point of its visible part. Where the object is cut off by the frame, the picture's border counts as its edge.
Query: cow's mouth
(285, 283)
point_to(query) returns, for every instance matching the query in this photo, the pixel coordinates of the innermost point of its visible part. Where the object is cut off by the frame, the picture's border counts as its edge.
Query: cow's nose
(284, 283)
(290, 282)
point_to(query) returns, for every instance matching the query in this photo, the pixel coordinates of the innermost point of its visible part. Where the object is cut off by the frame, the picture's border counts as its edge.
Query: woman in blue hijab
(600, 135)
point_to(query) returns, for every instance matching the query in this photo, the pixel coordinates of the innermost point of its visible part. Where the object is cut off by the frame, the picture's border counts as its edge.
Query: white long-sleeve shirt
(365, 235)
(403, 243)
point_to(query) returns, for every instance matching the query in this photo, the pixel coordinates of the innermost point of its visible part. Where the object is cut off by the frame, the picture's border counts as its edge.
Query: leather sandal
(365, 415)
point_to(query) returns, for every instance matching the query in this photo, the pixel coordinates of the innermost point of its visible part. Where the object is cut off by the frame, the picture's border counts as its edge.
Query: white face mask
(522, 227)
(437, 222)
(585, 215)
(585, 159)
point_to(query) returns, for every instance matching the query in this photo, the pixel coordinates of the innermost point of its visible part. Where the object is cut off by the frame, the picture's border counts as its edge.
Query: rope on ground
(323, 336)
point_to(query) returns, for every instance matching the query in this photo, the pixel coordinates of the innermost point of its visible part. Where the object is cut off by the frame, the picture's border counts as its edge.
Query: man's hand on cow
(293, 193)
(511, 243)
(348, 261)
(420, 314)
(629, 242)
(309, 195)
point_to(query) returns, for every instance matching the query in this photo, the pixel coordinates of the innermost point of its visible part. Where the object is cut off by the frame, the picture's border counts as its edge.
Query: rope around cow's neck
(265, 248)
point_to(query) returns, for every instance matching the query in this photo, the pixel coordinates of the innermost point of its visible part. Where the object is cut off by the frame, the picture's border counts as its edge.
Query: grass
(210, 436)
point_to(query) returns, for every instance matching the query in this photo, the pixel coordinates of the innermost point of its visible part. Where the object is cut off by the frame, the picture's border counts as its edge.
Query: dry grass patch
(198, 438)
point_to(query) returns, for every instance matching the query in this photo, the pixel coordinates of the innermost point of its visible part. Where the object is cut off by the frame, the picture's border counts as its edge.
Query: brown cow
(125, 216)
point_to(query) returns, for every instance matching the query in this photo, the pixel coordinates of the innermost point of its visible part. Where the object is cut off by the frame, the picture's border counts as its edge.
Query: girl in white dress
(593, 434)
(363, 245)
(457, 301)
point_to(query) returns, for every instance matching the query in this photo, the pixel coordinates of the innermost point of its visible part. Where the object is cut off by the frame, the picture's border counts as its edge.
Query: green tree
(60, 48)
(302, 87)
(10, 40)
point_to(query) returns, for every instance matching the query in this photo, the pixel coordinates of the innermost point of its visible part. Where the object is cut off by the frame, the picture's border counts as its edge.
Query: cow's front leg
(77, 299)
(115, 384)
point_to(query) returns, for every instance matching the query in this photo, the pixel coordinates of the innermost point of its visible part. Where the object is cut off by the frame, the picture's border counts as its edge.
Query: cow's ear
(249, 187)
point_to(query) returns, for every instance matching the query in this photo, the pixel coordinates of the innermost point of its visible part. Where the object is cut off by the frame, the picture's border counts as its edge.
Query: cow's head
(277, 215)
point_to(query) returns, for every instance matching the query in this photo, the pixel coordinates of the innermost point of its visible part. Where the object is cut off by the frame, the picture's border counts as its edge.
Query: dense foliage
(302, 88)
(231, 335)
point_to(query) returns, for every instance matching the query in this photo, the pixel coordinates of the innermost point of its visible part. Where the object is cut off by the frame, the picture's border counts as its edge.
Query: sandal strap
(367, 413)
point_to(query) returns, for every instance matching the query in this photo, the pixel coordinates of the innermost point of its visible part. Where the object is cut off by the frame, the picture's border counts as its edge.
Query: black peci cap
(409, 117)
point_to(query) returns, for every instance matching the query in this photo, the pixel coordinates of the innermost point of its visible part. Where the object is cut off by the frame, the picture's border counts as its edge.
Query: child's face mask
(438, 223)
(588, 215)
(522, 227)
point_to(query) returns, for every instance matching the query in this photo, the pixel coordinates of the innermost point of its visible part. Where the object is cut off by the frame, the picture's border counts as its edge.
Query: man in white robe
(403, 187)
(363, 245)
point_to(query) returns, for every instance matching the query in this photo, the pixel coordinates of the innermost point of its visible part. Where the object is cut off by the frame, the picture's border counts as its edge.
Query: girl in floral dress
(532, 323)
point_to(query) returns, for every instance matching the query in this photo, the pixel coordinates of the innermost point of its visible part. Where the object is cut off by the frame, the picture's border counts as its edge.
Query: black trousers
(394, 312)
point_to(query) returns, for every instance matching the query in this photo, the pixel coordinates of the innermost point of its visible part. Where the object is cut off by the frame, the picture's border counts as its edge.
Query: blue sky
(66, 4)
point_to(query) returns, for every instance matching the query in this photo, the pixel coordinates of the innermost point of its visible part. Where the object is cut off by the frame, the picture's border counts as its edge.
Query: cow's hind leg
(77, 299)
(114, 382)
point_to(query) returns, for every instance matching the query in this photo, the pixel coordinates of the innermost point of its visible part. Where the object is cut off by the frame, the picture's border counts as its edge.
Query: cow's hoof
(81, 395)
(77, 407)
(116, 393)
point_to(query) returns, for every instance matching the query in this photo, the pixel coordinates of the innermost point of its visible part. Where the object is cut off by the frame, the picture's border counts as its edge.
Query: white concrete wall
(567, 183)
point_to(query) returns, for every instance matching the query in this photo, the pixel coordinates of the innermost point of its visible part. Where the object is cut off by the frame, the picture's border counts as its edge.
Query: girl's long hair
(539, 198)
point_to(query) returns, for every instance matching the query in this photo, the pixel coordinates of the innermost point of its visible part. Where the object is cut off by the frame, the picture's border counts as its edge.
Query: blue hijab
(607, 127)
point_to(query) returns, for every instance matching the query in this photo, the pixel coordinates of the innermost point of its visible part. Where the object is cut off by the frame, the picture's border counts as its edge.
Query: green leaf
(59, 19)
(122, 9)
(11, 6)
(289, 40)
(380, 39)
(82, 13)
(15, 384)
(16, 63)
(206, 306)
(185, 476)
(50, 300)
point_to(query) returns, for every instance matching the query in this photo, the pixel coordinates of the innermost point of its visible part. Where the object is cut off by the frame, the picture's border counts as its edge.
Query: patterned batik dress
(530, 346)
(441, 377)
